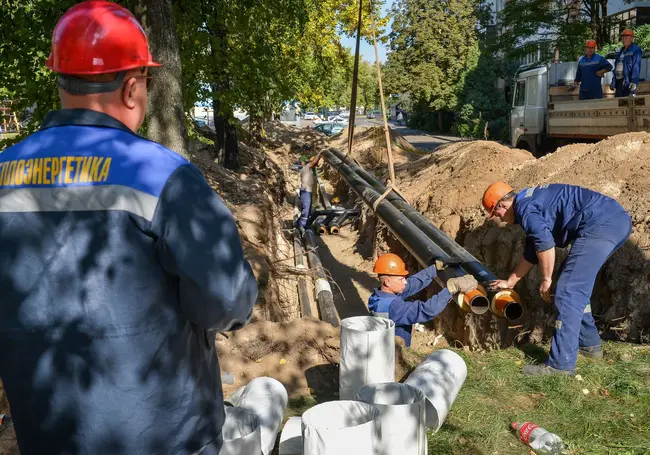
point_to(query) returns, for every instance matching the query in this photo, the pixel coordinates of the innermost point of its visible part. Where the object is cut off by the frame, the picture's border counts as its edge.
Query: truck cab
(529, 104)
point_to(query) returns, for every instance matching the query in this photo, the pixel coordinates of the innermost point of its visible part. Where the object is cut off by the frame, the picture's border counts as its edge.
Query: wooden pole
(391, 170)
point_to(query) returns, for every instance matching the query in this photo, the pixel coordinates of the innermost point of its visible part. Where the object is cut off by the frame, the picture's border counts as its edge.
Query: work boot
(593, 352)
(543, 370)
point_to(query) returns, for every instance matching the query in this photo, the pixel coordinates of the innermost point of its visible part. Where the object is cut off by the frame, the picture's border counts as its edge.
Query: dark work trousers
(305, 203)
(575, 324)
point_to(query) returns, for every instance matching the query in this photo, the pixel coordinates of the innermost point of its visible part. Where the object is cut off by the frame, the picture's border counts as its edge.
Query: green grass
(613, 418)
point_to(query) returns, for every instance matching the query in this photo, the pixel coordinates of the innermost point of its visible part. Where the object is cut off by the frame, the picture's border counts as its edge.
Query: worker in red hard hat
(553, 215)
(389, 300)
(118, 263)
(591, 68)
(627, 66)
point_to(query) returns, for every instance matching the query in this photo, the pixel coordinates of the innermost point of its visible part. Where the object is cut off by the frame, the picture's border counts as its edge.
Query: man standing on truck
(591, 68)
(119, 263)
(627, 66)
(558, 215)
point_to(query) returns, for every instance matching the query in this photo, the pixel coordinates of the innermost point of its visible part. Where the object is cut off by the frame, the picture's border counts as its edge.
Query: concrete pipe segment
(367, 354)
(341, 428)
(440, 377)
(401, 413)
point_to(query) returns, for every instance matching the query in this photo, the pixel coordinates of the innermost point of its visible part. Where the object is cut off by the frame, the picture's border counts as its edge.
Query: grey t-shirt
(306, 179)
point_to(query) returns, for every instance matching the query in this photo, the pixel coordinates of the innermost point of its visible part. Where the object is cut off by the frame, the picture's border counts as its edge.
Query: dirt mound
(302, 354)
(448, 184)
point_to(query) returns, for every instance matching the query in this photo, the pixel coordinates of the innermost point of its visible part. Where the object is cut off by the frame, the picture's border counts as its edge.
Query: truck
(546, 113)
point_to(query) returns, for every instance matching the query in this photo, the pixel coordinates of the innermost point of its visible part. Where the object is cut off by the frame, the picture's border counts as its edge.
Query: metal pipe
(337, 222)
(466, 260)
(303, 292)
(323, 194)
(324, 294)
(416, 233)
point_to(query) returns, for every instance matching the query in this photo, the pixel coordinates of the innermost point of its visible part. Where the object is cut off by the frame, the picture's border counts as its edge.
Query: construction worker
(307, 187)
(389, 301)
(558, 215)
(118, 259)
(591, 68)
(627, 66)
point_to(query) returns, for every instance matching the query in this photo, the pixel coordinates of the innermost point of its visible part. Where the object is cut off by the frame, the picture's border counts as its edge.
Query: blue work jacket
(629, 61)
(556, 214)
(406, 313)
(117, 258)
(590, 82)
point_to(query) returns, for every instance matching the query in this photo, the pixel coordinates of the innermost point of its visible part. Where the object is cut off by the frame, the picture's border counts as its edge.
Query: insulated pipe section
(337, 222)
(506, 304)
(468, 262)
(303, 293)
(323, 289)
(323, 195)
(475, 301)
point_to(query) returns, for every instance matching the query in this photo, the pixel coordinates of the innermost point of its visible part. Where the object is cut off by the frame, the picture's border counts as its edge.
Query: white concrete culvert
(240, 432)
(267, 399)
(367, 354)
(341, 428)
(402, 415)
(440, 377)
(291, 437)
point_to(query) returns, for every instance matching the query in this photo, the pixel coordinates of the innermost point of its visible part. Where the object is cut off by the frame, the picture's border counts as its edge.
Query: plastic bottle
(541, 441)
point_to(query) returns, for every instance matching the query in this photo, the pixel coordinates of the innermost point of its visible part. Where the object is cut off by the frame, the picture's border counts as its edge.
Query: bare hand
(545, 289)
(499, 284)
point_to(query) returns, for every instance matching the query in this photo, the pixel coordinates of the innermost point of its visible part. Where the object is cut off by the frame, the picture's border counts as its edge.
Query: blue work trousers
(593, 94)
(305, 202)
(623, 91)
(575, 324)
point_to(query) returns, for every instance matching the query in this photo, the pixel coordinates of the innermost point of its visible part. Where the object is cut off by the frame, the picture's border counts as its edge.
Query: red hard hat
(390, 264)
(628, 32)
(590, 43)
(98, 37)
(493, 195)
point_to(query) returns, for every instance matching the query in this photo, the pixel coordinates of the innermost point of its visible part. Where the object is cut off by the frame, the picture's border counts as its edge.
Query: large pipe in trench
(504, 303)
(324, 294)
(423, 249)
(299, 254)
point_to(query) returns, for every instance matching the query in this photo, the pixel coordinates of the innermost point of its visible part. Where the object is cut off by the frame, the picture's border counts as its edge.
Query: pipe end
(475, 301)
(334, 230)
(507, 304)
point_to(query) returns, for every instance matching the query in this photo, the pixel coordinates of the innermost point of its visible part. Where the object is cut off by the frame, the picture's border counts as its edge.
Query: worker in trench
(307, 187)
(389, 300)
(591, 68)
(627, 66)
(119, 263)
(558, 215)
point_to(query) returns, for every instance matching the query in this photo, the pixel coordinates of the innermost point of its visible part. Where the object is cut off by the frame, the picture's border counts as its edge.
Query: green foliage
(641, 39)
(433, 46)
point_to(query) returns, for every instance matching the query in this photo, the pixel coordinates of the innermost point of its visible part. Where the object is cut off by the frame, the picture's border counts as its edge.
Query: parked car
(372, 114)
(200, 122)
(330, 128)
(345, 114)
(310, 116)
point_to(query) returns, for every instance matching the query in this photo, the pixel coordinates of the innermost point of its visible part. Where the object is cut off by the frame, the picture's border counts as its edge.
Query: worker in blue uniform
(591, 68)
(119, 263)
(627, 66)
(389, 301)
(558, 215)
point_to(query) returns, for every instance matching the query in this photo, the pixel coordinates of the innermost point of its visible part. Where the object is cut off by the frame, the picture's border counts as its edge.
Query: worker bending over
(389, 301)
(627, 66)
(591, 68)
(118, 260)
(558, 215)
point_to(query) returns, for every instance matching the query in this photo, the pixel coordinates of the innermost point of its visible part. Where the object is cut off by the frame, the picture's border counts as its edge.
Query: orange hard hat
(590, 43)
(493, 195)
(98, 37)
(390, 264)
(628, 32)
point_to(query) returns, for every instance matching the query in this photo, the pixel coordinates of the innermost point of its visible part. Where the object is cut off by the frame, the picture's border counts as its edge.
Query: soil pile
(447, 187)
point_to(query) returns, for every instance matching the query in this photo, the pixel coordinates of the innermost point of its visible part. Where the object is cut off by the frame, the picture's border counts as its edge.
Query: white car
(337, 119)
(345, 114)
(310, 116)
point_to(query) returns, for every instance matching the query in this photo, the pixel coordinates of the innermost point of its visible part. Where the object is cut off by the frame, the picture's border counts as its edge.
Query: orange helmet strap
(78, 86)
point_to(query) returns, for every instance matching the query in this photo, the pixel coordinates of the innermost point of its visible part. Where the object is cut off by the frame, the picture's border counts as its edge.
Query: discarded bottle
(540, 440)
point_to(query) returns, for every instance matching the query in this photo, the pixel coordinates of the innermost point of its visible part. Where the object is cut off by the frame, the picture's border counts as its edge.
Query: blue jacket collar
(82, 117)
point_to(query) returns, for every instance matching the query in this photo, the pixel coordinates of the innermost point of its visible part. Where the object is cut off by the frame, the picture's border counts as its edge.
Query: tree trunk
(165, 113)
(604, 38)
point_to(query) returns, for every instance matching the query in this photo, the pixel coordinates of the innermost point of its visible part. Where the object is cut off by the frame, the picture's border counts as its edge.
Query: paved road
(419, 139)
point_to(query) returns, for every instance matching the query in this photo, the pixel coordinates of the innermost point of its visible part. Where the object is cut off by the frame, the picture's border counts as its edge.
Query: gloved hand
(464, 283)
(632, 86)
(572, 87)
